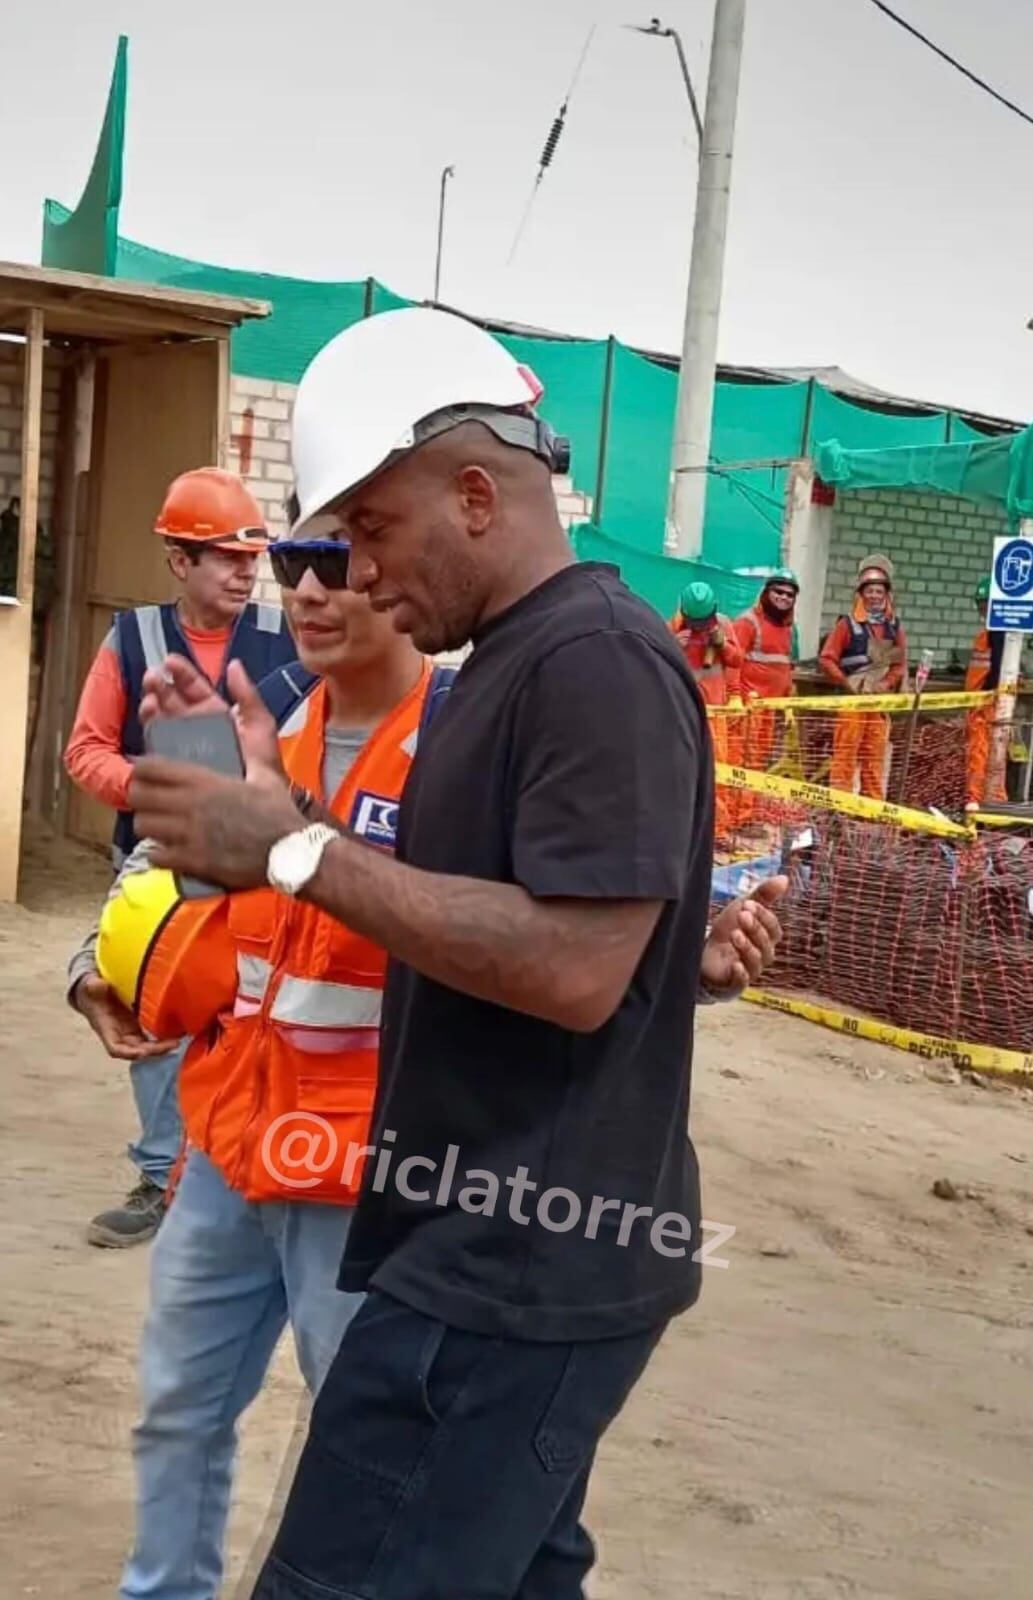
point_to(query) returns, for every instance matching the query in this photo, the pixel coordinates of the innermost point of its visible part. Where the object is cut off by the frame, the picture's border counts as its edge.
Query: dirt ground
(847, 1413)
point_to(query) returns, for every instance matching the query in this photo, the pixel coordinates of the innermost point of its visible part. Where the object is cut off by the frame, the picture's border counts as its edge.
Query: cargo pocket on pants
(596, 1380)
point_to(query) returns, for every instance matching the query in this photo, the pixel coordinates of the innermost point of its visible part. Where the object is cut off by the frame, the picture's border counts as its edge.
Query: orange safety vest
(767, 670)
(716, 670)
(280, 1087)
(979, 662)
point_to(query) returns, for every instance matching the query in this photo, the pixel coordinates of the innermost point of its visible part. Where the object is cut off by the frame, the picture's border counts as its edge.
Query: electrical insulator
(553, 140)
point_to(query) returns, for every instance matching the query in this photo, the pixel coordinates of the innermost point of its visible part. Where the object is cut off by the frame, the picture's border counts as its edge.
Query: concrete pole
(694, 414)
(806, 541)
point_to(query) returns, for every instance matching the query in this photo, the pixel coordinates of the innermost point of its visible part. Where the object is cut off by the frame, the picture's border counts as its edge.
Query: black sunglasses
(290, 559)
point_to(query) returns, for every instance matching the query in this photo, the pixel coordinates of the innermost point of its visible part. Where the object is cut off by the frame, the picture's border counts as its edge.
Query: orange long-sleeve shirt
(93, 755)
(838, 642)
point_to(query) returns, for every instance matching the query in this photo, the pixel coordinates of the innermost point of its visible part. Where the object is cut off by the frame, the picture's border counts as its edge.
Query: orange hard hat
(213, 507)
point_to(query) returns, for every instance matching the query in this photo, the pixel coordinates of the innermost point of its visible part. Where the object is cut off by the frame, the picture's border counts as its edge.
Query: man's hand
(113, 1023)
(743, 940)
(210, 827)
(178, 689)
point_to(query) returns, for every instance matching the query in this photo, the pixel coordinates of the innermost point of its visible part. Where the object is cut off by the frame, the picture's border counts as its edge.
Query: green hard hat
(698, 602)
(784, 575)
(982, 589)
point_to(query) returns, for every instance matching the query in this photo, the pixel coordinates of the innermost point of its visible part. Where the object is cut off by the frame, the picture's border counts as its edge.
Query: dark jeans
(442, 1465)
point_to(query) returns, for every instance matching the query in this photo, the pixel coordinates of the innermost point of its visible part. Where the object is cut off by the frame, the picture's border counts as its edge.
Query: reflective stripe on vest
(859, 659)
(152, 635)
(980, 658)
(769, 658)
(316, 1004)
(268, 619)
(252, 977)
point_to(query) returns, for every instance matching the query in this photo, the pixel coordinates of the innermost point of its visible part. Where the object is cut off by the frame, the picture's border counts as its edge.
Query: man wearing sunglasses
(767, 636)
(530, 1222)
(213, 533)
(283, 1004)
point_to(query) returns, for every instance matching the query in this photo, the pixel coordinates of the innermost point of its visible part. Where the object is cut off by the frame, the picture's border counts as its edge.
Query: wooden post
(222, 402)
(16, 623)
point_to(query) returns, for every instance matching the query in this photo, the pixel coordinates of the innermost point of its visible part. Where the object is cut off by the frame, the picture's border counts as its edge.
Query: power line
(952, 61)
(552, 141)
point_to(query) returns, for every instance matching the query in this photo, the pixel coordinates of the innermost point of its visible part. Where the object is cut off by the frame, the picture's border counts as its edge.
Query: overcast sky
(880, 209)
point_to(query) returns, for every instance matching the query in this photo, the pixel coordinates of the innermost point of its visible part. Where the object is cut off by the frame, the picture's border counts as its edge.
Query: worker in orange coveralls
(710, 647)
(766, 634)
(866, 653)
(984, 672)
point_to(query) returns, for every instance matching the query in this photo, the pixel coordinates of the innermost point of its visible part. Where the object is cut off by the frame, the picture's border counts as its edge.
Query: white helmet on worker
(394, 381)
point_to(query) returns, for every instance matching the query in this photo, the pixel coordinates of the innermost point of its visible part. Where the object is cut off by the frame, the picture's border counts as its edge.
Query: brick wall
(940, 546)
(260, 434)
(12, 359)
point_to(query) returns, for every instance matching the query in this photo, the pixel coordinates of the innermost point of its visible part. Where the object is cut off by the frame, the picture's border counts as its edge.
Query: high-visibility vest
(857, 657)
(279, 1091)
(143, 637)
(767, 646)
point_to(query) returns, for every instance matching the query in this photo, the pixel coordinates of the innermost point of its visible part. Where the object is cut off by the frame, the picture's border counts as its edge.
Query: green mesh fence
(660, 579)
(617, 407)
(86, 239)
(995, 471)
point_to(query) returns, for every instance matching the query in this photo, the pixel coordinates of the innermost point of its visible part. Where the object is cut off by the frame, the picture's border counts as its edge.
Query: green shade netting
(573, 374)
(617, 407)
(996, 471)
(832, 417)
(660, 579)
(86, 239)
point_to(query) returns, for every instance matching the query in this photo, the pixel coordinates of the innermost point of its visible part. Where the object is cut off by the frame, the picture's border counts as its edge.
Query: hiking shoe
(135, 1221)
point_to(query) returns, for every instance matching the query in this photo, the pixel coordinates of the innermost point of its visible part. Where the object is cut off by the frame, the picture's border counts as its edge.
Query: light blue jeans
(227, 1275)
(156, 1092)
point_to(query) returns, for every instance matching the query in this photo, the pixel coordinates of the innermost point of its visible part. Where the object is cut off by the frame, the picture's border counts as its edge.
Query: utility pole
(695, 408)
(449, 172)
(656, 30)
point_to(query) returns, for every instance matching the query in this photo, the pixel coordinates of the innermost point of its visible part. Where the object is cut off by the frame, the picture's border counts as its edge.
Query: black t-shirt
(572, 758)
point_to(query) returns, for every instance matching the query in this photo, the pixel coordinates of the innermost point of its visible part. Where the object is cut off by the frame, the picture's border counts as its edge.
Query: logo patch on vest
(375, 819)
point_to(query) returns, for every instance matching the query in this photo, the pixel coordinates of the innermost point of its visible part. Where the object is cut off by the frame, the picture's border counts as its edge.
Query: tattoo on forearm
(490, 940)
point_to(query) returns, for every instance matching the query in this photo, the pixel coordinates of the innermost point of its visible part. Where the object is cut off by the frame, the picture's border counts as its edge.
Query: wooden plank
(16, 621)
(32, 418)
(221, 451)
(29, 284)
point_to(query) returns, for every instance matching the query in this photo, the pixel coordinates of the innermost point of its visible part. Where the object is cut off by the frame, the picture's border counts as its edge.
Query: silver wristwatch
(294, 859)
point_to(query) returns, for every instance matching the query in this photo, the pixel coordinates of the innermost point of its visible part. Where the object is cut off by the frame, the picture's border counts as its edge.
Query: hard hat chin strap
(520, 429)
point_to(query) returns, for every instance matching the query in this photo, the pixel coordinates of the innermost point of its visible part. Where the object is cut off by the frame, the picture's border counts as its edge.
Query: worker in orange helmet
(214, 533)
(866, 653)
(714, 657)
(984, 672)
(766, 634)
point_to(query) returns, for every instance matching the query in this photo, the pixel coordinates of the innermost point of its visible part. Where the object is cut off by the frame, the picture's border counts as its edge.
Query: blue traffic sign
(1011, 587)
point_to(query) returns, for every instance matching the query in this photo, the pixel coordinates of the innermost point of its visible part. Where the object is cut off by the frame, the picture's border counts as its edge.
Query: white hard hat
(362, 396)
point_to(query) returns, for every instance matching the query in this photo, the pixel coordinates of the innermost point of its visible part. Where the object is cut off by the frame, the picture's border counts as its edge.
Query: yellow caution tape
(993, 819)
(928, 1046)
(942, 700)
(850, 805)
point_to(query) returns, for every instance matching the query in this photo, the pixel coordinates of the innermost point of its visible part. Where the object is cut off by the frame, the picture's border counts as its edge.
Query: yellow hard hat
(147, 938)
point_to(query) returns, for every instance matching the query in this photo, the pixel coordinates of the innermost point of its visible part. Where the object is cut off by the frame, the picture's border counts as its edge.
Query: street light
(656, 30)
(449, 172)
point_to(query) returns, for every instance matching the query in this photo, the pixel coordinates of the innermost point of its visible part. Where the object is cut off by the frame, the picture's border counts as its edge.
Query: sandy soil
(848, 1413)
